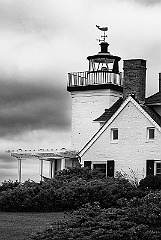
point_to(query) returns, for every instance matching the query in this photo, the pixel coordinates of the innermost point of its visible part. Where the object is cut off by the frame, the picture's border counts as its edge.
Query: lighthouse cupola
(93, 91)
(104, 61)
(103, 69)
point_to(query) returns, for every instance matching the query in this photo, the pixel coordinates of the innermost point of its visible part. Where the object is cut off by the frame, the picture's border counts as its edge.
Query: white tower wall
(87, 106)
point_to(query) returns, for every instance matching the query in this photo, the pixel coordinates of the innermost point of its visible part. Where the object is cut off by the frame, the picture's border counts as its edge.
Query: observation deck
(94, 80)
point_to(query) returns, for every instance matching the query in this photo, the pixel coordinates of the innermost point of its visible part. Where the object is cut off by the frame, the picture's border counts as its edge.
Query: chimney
(134, 78)
(159, 82)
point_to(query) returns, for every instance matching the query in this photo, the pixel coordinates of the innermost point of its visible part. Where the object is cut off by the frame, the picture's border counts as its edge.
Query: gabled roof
(153, 114)
(109, 112)
(154, 99)
(148, 112)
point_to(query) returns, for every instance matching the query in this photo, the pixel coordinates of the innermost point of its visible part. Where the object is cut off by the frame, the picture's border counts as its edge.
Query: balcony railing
(94, 78)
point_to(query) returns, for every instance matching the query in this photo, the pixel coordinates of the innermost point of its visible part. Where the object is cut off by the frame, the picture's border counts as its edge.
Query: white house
(114, 127)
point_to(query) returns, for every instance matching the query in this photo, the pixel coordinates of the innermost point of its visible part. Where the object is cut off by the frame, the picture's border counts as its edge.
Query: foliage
(20, 198)
(70, 189)
(151, 182)
(131, 177)
(73, 173)
(8, 185)
(92, 222)
(145, 210)
(114, 208)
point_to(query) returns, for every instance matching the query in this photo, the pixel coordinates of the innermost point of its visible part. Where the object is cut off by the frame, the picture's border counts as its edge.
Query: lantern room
(104, 61)
(103, 69)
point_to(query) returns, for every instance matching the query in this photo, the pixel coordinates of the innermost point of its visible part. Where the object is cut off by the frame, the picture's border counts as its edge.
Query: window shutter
(110, 168)
(149, 167)
(87, 164)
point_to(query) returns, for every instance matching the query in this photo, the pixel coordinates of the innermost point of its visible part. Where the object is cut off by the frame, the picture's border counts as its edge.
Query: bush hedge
(151, 182)
(92, 222)
(114, 208)
(8, 185)
(70, 189)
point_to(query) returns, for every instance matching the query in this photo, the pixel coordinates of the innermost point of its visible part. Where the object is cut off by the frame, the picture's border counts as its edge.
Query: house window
(114, 134)
(100, 167)
(151, 133)
(153, 167)
(107, 168)
(158, 168)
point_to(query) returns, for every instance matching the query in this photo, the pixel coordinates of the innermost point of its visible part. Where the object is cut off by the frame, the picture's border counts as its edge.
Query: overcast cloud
(148, 2)
(40, 42)
(31, 106)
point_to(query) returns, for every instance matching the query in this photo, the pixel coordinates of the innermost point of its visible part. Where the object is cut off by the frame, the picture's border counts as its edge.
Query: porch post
(62, 163)
(50, 168)
(53, 168)
(19, 169)
(41, 169)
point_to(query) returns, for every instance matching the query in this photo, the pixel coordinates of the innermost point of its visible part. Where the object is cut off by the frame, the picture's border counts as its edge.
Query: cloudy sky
(40, 42)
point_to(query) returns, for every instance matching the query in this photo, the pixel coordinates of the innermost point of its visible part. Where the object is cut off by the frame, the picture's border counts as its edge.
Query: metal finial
(104, 29)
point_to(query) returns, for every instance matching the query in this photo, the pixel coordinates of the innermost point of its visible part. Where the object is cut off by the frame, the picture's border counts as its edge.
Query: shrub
(8, 185)
(69, 190)
(74, 173)
(91, 222)
(56, 195)
(150, 182)
(19, 198)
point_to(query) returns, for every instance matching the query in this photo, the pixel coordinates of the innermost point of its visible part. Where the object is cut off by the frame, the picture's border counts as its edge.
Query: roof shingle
(109, 112)
(153, 114)
(153, 99)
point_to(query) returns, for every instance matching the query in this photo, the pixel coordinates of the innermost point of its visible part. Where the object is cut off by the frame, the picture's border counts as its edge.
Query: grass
(20, 226)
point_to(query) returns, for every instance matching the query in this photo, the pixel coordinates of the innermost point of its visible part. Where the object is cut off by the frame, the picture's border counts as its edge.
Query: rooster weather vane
(104, 29)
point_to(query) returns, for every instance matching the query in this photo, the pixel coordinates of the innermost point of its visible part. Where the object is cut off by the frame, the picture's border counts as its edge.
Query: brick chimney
(134, 78)
(159, 82)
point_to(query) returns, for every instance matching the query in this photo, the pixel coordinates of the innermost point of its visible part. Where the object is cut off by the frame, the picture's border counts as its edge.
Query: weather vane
(104, 29)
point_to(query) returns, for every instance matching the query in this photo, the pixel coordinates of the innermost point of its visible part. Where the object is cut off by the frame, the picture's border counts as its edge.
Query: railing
(94, 78)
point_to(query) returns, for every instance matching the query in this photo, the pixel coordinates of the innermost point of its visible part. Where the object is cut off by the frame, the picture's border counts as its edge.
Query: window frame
(98, 163)
(105, 163)
(148, 133)
(155, 167)
(112, 135)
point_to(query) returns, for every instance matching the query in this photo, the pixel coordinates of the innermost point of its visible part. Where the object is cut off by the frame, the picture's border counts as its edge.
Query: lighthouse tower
(93, 91)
